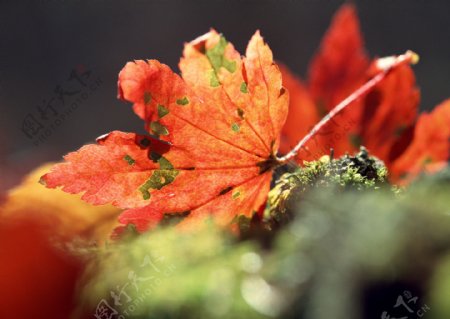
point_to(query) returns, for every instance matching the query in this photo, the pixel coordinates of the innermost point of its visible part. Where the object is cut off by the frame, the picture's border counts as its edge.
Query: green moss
(356, 249)
(359, 172)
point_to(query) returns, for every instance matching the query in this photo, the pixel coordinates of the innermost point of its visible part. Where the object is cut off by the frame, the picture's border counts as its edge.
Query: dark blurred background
(59, 59)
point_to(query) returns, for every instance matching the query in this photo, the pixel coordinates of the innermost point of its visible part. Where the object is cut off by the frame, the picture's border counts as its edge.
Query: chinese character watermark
(120, 296)
(51, 112)
(408, 307)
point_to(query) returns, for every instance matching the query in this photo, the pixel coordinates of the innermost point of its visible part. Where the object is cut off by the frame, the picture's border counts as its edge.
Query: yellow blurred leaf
(65, 214)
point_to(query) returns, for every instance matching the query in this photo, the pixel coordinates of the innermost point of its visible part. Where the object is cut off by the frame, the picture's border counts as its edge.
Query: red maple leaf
(214, 133)
(385, 120)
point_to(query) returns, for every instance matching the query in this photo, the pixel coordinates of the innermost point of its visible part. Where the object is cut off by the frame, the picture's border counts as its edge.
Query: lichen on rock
(359, 172)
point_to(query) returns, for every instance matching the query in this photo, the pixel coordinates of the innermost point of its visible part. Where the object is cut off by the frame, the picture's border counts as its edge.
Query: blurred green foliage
(347, 252)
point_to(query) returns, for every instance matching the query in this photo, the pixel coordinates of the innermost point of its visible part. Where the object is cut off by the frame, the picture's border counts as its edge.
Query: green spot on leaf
(244, 87)
(235, 127)
(214, 80)
(236, 195)
(229, 65)
(162, 111)
(183, 101)
(163, 162)
(161, 178)
(129, 159)
(144, 190)
(158, 180)
(147, 98)
(158, 128)
(217, 58)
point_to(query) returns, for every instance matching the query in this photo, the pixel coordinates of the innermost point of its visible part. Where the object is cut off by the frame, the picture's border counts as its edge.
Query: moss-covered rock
(349, 252)
(359, 172)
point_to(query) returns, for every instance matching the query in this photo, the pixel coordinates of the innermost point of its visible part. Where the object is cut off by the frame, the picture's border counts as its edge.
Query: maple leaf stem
(385, 65)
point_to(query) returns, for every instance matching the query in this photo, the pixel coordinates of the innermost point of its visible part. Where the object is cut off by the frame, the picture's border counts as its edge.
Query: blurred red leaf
(384, 120)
